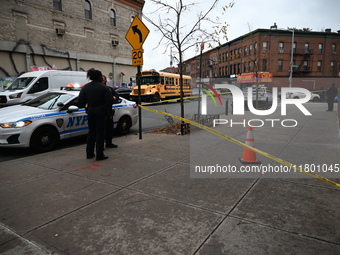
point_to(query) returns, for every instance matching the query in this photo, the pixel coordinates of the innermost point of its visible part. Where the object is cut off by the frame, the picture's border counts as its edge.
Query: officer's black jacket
(95, 94)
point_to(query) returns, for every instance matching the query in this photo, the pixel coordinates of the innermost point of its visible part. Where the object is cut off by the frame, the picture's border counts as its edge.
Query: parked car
(314, 97)
(264, 97)
(43, 121)
(123, 92)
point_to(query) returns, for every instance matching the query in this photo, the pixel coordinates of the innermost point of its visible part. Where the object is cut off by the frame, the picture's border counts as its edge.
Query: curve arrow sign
(136, 30)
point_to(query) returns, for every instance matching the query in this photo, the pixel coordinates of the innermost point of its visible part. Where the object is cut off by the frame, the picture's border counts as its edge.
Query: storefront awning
(251, 77)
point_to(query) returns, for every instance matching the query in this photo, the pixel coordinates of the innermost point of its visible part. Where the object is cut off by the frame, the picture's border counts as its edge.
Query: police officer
(331, 93)
(109, 120)
(97, 98)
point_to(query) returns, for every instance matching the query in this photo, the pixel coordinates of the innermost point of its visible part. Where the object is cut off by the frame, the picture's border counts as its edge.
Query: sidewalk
(143, 201)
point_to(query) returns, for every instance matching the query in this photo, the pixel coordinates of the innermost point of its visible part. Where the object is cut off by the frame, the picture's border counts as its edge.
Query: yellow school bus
(156, 86)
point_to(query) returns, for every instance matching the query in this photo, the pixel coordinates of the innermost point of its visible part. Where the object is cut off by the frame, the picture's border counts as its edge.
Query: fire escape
(302, 56)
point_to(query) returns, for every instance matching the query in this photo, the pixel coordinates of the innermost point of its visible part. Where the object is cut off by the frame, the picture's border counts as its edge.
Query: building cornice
(136, 4)
(281, 32)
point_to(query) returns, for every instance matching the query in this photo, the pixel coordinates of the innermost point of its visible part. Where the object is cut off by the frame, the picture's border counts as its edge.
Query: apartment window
(57, 5)
(320, 48)
(333, 49)
(249, 66)
(250, 49)
(88, 10)
(306, 47)
(332, 66)
(281, 47)
(244, 67)
(305, 65)
(245, 50)
(264, 64)
(255, 48)
(294, 47)
(112, 18)
(265, 46)
(280, 65)
(319, 65)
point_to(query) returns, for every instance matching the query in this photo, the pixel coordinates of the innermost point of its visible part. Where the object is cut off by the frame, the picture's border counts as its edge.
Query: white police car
(43, 121)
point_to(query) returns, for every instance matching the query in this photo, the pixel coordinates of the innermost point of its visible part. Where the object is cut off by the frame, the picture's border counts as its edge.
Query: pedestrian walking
(109, 118)
(96, 98)
(331, 93)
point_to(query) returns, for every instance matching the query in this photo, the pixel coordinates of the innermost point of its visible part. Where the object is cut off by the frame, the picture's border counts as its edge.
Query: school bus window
(150, 80)
(162, 80)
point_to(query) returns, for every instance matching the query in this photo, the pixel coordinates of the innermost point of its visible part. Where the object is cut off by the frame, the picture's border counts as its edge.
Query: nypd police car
(43, 121)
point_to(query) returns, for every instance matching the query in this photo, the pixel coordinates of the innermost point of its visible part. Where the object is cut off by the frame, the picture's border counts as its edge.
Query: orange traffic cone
(249, 156)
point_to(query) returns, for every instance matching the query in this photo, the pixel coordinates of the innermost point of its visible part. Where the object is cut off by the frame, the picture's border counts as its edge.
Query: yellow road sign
(137, 57)
(137, 33)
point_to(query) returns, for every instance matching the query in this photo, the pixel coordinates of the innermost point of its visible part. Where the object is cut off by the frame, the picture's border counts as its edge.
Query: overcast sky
(246, 16)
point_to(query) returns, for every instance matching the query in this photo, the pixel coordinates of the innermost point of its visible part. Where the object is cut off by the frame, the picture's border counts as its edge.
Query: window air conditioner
(115, 43)
(60, 31)
(281, 51)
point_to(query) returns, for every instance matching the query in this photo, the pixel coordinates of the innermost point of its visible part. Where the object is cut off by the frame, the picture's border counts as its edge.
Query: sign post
(136, 36)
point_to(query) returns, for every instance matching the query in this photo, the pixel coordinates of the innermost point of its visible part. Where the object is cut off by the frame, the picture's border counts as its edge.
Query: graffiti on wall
(4, 72)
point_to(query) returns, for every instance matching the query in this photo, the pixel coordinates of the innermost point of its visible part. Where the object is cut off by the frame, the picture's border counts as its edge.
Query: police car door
(75, 120)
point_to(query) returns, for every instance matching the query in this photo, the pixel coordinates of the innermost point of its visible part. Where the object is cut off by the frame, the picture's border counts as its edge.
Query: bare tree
(254, 56)
(183, 34)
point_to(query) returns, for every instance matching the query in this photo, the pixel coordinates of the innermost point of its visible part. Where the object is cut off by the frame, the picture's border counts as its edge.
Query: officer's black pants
(96, 135)
(330, 105)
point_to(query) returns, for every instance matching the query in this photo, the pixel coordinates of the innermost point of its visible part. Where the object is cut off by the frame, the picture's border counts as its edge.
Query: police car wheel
(124, 125)
(44, 139)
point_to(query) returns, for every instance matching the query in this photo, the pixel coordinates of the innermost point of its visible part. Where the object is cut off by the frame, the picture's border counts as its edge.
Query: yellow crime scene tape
(213, 131)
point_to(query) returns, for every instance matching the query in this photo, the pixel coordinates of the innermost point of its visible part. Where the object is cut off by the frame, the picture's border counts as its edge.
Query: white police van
(43, 121)
(33, 84)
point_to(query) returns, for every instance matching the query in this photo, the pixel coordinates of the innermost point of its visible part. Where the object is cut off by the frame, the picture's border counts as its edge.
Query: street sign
(137, 33)
(136, 36)
(137, 57)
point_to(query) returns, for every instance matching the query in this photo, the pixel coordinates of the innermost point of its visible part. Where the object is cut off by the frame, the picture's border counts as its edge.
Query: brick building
(316, 58)
(67, 35)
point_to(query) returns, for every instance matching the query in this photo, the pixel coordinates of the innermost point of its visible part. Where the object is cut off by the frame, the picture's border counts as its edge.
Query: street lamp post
(291, 54)
(291, 60)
